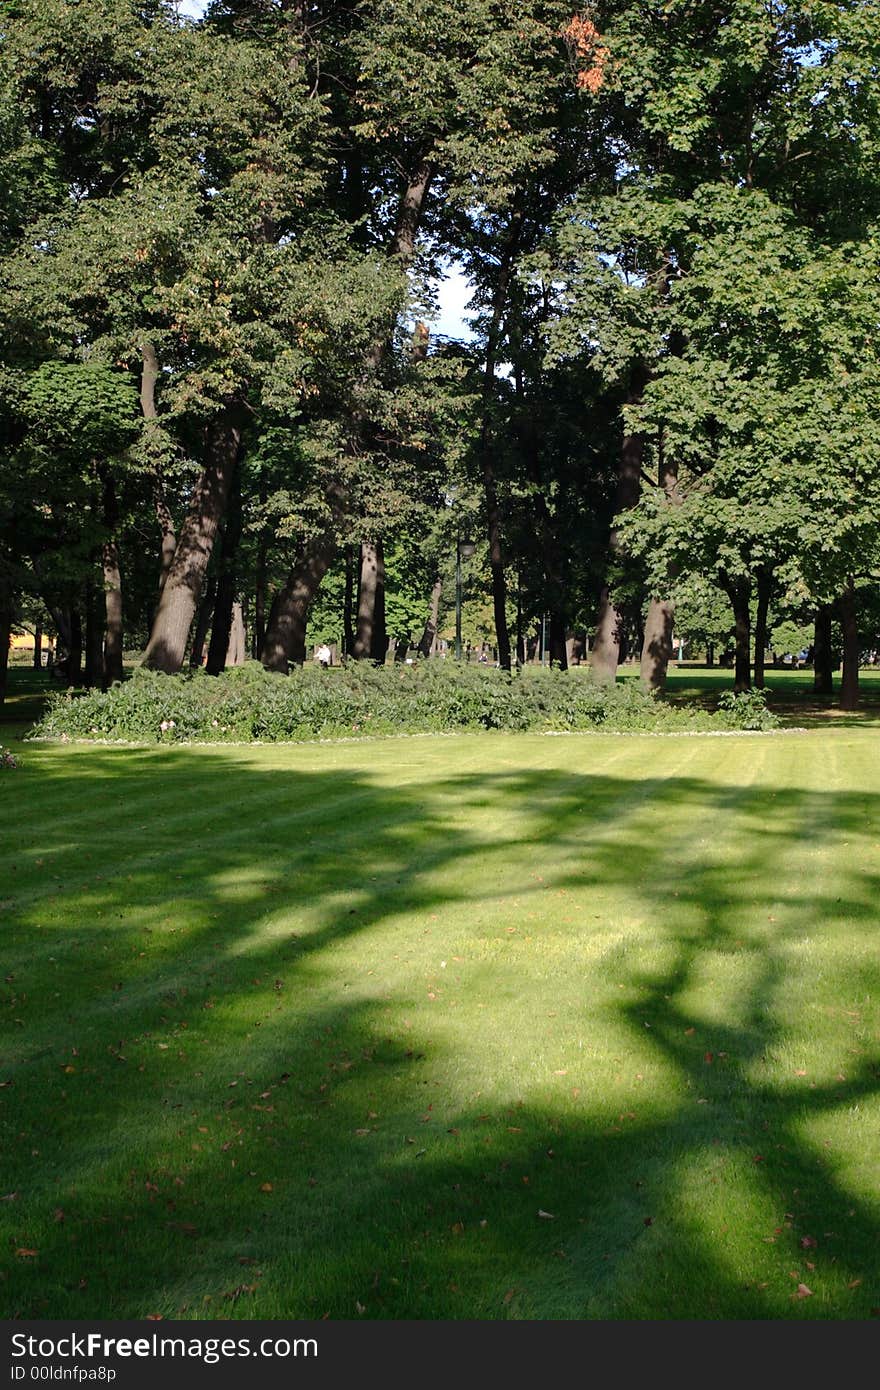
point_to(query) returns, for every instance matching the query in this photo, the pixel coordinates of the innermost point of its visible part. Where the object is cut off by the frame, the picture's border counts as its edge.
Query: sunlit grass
(290, 1032)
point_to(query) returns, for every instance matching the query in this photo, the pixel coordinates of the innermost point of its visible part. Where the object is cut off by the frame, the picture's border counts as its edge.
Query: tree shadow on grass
(231, 1097)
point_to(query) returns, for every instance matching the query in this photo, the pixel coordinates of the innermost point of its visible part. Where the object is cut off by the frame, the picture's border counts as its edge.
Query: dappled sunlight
(310, 1040)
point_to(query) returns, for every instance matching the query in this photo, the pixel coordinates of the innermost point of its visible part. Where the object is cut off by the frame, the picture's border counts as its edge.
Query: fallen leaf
(853, 1283)
(24, 1254)
(547, 1215)
(802, 1292)
(266, 1187)
(808, 1243)
(509, 1295)
(458, 1228)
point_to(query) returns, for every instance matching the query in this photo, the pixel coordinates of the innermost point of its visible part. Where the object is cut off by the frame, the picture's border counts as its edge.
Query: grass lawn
(493, 1026)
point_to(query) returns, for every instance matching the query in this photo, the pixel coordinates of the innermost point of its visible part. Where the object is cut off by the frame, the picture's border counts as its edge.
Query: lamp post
(463, 551)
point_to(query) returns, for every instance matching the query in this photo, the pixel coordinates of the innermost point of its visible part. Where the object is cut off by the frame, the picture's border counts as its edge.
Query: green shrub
(247, 703)
(747, 710)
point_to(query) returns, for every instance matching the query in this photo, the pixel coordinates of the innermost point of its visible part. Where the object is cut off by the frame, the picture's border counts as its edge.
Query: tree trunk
(221, 626)
(490, 485)
(605, 654)
(186, 577)
(849, 680)
(429, 636)
(203, 622)
(73, 664)
(236, 649)
(38, 646)
(348, 603)
(823, 661)
(520, 638)
(286, 631)
(112, 574)
(740, 594)
(765, 585)
(285, 634)
(657, 645)
(168, 542)
(259, 633)
(94, 647)
(557, 639)
(6, 616)
(371, 638)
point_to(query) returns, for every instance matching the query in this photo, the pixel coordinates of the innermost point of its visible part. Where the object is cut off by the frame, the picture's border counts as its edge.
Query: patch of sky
(454, 294)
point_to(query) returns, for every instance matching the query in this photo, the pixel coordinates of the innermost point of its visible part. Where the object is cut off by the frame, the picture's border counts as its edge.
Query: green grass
(297, 1031)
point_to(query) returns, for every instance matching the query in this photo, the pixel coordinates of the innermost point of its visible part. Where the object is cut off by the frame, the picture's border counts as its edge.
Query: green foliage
(788, 637)
(747, 710)
(359, 700)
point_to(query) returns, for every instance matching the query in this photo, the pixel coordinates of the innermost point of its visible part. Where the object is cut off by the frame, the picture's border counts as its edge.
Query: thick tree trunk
(823, 661)
(236, 648)
(605, 654)
(740, 597)
(186, 577)
(371, 637)
(657, 644)
(429, 636)
(113, 633)
(203, 622)
(221, 625)
(849, 680)
(38, 646)
(765, 584)
(286, 631)
(557, 639)
(112, 575)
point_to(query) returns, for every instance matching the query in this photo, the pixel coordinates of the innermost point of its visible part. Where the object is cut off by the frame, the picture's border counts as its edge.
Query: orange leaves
(588, 52)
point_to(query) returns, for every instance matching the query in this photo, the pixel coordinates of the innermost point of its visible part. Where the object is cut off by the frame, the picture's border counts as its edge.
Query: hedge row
(247, 703)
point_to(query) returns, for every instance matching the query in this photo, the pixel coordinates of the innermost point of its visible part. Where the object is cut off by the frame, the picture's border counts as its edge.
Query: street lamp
(463, 551)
